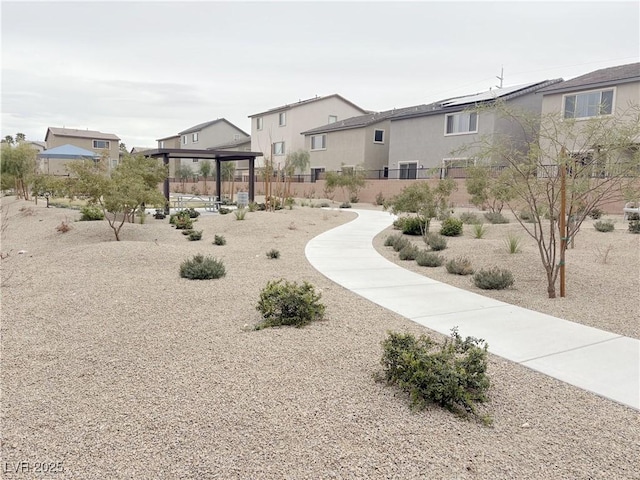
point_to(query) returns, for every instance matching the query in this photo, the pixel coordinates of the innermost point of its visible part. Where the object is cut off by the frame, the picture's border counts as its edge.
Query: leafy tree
(183, 172)
(123, 147)
(18, 167)
(295, 161)
(597, 159)
(487, 190)
(132, 184)
(426, 202)
(350, 181)
(205, 171)
(228, 174)
(20, 137)
(8, 139)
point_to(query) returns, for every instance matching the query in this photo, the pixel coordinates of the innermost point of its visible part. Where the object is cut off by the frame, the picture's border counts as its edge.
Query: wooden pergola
(218, 156)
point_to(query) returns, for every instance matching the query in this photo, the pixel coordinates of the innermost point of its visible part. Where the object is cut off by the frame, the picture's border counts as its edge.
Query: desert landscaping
(115, 367)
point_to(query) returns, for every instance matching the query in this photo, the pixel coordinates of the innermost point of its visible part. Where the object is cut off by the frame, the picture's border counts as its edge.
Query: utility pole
(501, 77)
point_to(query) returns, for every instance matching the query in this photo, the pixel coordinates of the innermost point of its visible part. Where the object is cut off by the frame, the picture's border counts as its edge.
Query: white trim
(464, 112)
(194, 137)
(375, 130)
(324, 142)
(282, 119)
(583, 92)
(106, 142)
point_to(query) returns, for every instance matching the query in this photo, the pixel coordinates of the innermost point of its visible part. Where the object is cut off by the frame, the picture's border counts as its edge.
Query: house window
(194, 137)
(101, 144)
(588, 104)
(259, 123)
(318, 142)
(316, 173)
(460, 123)
(408, 170)
(278, 148)
(333, 118)
(161, 143)
(184, 139)
(195, 160)
(282, 119)
(378, 136)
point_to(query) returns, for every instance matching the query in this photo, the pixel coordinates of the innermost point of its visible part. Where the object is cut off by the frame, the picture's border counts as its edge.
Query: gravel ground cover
(114, 367)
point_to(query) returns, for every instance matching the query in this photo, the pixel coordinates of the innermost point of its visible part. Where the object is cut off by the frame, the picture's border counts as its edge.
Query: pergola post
(251, 179)
(165, 161)
(218, 179)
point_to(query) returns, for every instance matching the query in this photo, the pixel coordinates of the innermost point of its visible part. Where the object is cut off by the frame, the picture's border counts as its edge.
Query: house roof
(76, 133)
(358, 121)
(200, 126)
(599, 78)
(68, 151)
(232, 144)
(306, 102)
(457, 104)
(168, 138)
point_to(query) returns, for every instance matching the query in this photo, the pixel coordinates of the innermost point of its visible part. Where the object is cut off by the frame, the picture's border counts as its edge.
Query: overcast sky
(147, 70)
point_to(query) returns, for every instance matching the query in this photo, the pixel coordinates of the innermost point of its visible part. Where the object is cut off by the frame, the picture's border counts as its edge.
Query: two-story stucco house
(278, 131)
(106, 145)
(361, 141)
(427, 137)
(608, 93)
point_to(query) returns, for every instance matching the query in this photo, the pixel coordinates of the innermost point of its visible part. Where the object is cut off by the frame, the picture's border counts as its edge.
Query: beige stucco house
(427, 140)
(362, 141)
(609, 94)
(106, 145)
(278, 131)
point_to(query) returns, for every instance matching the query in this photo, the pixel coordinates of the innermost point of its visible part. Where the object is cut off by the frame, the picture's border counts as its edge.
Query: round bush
(428, 259)
(202, 268)
(91, 213)
(400, 243)
(287, 303)
(493, 279)
(469, 218)
(459, 266)
(451, 227)
(391, 240)
(495, 218)
(413, 226)
(604, 226)
(409, 252)
(436, 242)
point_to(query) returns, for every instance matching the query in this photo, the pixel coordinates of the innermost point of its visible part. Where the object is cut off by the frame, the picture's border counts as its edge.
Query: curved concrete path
(601, 362)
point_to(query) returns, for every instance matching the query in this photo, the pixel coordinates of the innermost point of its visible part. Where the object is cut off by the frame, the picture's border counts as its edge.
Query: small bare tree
(591, 163)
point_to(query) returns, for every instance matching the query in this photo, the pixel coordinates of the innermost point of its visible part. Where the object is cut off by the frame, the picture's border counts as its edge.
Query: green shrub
(459, 266)
(192, 212)
(400, 243)
(469, 218)
(219, 240)
(493, 279)
(91, 213)
(413, 226)
(345, 205)
(409, 252)
(252, 206)
(634, 226)
(195, 235)
(452, 375)
(187, 232)
(604, 226)
(495, 218)
(183, 223)
(398, 223)
(287, 303)
(595, 213)
(526, 216)
(436, 242)
(273, 253)
(512, 242)
(451, 227)
(240, 213)
(428, 259)
(202, 268)
(224, 211)
(325, 205)
(479, 230)
(391, 240)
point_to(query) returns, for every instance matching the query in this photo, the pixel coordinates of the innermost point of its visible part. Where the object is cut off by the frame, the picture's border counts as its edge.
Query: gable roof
(76, 133)
(300, 103)
(201, 126)
(358, 121)
(68, 151)
(457, 104)
(231, 144)
(600, 78)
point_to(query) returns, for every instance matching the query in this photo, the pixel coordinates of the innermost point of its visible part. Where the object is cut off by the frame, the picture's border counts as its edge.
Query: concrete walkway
(601, 362)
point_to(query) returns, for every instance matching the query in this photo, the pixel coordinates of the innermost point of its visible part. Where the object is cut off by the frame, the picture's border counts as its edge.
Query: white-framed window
(316, 173)
(194, 137)
(259, 123)
(378, 136)
(588, 104)
(319, 142)
(161, 143)
(195, 160)
(184, 139)
(333, 118)
(282, 119)
(461, 123)
(278, 148)
(101, 144)
(408, 170)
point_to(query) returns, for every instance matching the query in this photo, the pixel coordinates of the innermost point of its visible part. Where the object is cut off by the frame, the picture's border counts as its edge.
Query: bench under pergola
(218, 156)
